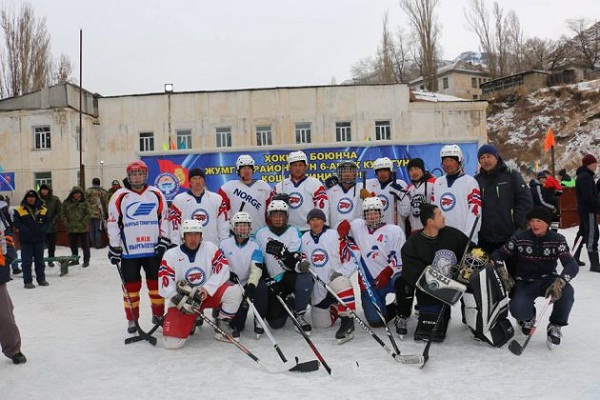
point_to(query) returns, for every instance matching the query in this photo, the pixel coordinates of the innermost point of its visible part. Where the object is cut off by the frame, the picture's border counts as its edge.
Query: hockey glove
(343, 228)
(162, 246)
(185, 304)
(555, 289)
(115, 254)
(507, 281)
(250, 291)
(397, 191)
(331, 182)
(233, 277)
(364, 193)
(274, 286)
(384, 277)
(184, 288)
(288, 259)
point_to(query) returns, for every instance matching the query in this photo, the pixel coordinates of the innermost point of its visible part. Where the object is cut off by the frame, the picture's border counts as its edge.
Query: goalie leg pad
(178, 324)
(441, 287)
(426, 324)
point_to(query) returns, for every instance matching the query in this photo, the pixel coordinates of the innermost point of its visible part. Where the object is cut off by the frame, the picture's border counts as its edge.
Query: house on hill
(460, 79)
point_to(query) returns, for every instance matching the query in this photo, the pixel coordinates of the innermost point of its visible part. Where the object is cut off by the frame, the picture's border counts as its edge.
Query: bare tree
(421, 14)
(501, 40)
(515, 44)
(538, 53)
(478, 21)
(63, 70)
(385, 64)
(585, 44)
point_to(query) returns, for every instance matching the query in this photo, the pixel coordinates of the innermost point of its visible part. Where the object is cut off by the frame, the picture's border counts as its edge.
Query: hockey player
(194, 276)
(138, 235)
(247, 264)
(436, 244)
(378, 244)
(305, 192)
(286, 274)
(321, 247)
(345, 196)
(390, 191)
(246, 193)
(418, 191)
(456, 193)
(536, 252)
(200, 204)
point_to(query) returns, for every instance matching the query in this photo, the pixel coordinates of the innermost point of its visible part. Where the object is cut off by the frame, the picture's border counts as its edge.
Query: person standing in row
(76, 214)
(54, 207)
(588, 208)
(97, 198)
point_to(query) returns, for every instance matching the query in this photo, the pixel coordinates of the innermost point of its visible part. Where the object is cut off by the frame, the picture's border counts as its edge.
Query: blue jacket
(31, 220)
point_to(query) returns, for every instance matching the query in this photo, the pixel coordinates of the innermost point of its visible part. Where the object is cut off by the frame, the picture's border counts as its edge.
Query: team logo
(385, 201)
(195, 276)
(447, 201)
(319, 258)
(443, 261)
(373, 253)
(201, 215)
(415, 204)
(167, 183)
(138, 209)
(345, 205)
(296, 200)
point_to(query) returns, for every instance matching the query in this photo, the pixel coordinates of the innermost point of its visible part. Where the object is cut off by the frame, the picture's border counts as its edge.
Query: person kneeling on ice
(535, 252)
(194, 276)
(438, 246)
(321, 247)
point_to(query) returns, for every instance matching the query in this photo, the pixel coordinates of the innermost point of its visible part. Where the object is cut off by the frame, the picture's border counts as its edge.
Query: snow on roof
(435, 97)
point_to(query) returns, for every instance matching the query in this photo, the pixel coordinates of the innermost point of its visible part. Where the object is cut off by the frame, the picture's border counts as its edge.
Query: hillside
(518, 126)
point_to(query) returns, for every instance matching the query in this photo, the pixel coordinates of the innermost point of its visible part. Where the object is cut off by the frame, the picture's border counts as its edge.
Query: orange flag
(549, 142)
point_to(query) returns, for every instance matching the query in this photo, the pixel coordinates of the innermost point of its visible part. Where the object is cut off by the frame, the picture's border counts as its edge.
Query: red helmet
(137, 165)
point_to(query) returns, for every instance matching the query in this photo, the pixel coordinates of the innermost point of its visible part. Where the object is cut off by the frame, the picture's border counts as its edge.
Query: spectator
(76, 214)
(565, 179)
(588, 207)
(31, 220)
(54, 207)
(97, 198)
(541, 195)
(116, 185)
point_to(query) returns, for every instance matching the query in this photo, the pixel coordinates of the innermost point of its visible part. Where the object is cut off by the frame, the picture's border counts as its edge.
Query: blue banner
(169, 172)
(7, 181)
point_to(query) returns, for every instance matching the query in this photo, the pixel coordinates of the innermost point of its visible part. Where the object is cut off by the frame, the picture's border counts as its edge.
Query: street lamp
(102, 170)
(168, 91)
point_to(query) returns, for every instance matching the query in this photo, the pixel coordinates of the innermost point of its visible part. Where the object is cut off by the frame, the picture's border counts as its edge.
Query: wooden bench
(64, 261)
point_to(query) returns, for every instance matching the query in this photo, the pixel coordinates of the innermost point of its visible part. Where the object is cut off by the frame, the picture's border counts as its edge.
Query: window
(41, 137)
(39, 178)
(263, 136)
(146, 141)
(303, 133)
(445, 83)
(343, 132)
(184, 139)
(224, 137)
(474, 83)
(383, 130)
(475, 97)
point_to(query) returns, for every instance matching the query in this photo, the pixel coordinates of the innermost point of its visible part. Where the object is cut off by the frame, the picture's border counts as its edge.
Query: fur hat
(540, 212)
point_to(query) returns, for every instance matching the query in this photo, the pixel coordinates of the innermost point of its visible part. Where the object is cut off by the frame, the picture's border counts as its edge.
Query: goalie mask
(372, 208)
(241, 225)
(347, 172)
(474, 262)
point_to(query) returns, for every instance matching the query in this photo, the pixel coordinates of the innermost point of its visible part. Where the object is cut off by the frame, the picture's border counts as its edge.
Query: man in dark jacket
(588, 207)
(31, 220)
(505, 200)
(53, 205)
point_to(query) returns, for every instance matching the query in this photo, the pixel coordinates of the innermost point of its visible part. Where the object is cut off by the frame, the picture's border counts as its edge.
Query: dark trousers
(76, 238)
(588, 229)
(95, 232)
(524, 295)
(33, 252)
(10, 338)
(51, 243)
(260, 302)
(301, 285)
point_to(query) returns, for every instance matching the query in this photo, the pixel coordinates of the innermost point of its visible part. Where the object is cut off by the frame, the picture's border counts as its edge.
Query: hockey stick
(244, 349)
(134, 339)
(299, 327)
(141, 334)
(514, 346)
(445, 306)
(415, 359)
(395, 200)
(307, 366)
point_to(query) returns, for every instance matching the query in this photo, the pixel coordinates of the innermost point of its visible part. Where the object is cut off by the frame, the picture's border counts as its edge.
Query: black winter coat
(31, 221)
(586, 192)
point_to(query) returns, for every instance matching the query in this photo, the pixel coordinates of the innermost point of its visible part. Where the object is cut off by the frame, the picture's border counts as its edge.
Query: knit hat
(315, 213)
(96, 181)
(416, 163)
(487, 149)
(116, 182)
(196, 172)
(540, 212)
(541, 175)
(588, 159)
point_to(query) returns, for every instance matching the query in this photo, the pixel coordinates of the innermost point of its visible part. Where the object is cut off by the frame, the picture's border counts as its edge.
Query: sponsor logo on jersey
(447, 201)
(167, 183)
(373, 253)
(200, 214)
(195, 276)
(443, 261)
(296, 200)
(345, 205)
(244, 196)
(319, 258)
(139, 209)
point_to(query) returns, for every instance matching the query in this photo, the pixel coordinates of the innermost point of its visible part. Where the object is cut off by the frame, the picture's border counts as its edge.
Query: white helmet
(277, 205)
(383, 163)
(297, 156)
(244, 160)
(372, 203)
(451, 150)
(241, 217)
(190, 225)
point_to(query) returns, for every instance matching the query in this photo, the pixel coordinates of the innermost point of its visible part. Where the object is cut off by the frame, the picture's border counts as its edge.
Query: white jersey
(241, 256)
(209, 209)
(323, 253)
(460, 203)
(379, 248)
(206, 268)
(383, 192)
(344, 204)
(417, 193)
(305, 195)
(254, 196)
(291, 239)
(137, 220)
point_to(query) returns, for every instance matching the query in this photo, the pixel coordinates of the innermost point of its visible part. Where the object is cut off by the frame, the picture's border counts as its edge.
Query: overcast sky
(136, 46)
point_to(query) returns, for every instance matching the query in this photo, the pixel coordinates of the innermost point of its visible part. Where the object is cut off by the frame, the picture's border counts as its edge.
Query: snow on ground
(73, 335)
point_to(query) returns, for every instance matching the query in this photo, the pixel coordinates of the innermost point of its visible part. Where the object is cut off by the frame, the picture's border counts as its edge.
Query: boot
(345, 332)
(594, 262)
(577, 255)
